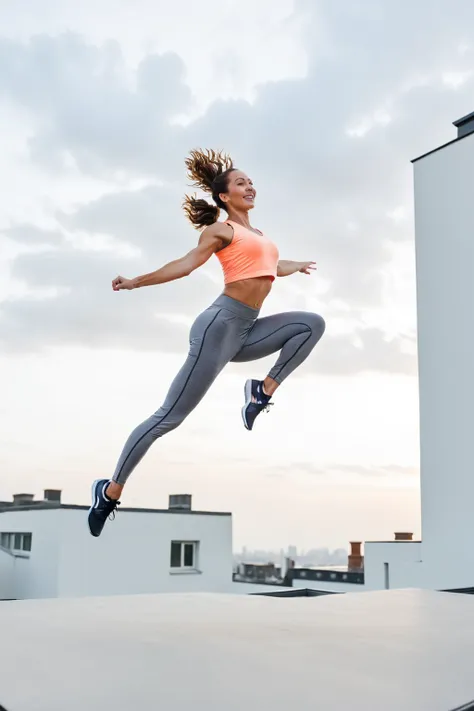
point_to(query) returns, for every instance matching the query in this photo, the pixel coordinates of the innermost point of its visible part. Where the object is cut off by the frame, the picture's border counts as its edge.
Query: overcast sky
(324, 104)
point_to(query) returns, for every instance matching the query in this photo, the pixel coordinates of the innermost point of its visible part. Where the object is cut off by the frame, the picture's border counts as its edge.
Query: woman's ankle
(269, 386)
(114, 490)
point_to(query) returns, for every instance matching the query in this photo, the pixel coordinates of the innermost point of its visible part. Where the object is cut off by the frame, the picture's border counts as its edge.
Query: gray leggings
(227, 331)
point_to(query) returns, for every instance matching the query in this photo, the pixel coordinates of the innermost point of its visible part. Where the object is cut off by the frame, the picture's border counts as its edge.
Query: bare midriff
(251, 292)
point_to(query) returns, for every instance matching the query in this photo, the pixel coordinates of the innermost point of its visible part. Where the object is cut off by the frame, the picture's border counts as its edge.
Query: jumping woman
(229, 330)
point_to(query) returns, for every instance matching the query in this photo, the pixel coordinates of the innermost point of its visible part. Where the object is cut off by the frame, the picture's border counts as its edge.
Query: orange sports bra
(249, 255)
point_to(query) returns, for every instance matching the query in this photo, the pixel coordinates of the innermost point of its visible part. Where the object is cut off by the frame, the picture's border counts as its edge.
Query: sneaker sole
(248, 400)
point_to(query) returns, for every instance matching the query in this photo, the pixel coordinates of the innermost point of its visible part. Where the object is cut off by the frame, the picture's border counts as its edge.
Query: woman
(230, 329)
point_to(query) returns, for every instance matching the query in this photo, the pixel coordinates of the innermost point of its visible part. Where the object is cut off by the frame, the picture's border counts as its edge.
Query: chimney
(355, 560)
(402, 536)
(180, 502)
(52, 496)
(465, 125)
(23, 499)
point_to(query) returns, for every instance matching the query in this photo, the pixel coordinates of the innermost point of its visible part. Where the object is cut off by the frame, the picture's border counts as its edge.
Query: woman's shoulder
(218, 233)
(219, 229)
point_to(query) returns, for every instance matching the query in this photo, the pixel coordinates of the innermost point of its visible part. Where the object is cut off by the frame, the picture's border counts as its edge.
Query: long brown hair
(208, 170)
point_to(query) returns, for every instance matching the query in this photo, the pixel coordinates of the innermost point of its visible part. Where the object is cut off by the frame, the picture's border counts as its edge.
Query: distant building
(258, 573)
(46, 550)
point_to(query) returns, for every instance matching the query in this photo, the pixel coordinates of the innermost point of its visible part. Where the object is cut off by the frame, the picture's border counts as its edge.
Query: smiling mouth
(250, 198)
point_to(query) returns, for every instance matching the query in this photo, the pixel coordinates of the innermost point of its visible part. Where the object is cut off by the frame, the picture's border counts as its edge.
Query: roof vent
(23, 499)
(180, 502)
(465, 125)
(53, 496)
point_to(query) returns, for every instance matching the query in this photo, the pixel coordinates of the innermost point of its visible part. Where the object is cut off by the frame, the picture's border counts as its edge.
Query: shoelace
(112, 513)
(263, 406)
(113, 507)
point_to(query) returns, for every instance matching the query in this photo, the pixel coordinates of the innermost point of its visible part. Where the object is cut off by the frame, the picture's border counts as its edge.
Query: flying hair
(207, 170)
(205, 166)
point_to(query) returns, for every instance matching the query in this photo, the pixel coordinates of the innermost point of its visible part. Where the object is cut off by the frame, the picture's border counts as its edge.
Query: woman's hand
(307, 267)
(287, 267)
(122, 283)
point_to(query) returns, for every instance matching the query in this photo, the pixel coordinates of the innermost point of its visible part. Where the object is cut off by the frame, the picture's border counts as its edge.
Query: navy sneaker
(102, 507)
(255, 402)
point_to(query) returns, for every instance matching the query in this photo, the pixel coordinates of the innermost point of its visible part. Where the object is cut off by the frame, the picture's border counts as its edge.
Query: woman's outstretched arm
(211, 240)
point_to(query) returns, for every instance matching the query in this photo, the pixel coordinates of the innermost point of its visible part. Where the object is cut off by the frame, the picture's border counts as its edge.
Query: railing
(330, 576)
(322, 575)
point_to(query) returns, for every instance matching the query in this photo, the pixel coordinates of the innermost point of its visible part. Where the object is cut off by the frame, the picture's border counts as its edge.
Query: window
(175, 554)
(26, 543)
(188, 555)
(16, 541)
(184, 554)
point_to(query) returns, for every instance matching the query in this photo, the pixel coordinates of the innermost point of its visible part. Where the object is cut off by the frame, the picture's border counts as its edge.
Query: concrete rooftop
(410, 650)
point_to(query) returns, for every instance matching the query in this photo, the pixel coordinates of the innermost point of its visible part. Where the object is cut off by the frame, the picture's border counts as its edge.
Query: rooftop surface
(409, 650)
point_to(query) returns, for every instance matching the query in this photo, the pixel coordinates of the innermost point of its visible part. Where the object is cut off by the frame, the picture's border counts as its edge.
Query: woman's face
(240, 193)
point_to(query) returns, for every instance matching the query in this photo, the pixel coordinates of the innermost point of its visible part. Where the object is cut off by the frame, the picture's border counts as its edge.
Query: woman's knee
(316, 323)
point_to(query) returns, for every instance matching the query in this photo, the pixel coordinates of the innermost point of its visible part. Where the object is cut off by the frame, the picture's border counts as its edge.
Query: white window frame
(182, 568)
(11, 541)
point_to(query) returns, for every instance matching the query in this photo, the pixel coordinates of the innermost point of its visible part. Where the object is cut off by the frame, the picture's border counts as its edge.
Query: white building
(46, 550)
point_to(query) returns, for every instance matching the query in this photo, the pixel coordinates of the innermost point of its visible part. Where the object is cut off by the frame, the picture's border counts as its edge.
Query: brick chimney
(355, 560)
(403, 536)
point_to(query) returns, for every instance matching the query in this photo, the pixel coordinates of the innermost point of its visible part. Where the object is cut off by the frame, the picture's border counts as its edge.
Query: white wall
(133, 554)
(22, 576)
(444, 222)
(7, 575)
(404, 564)
(36, 577)
(404, 569)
